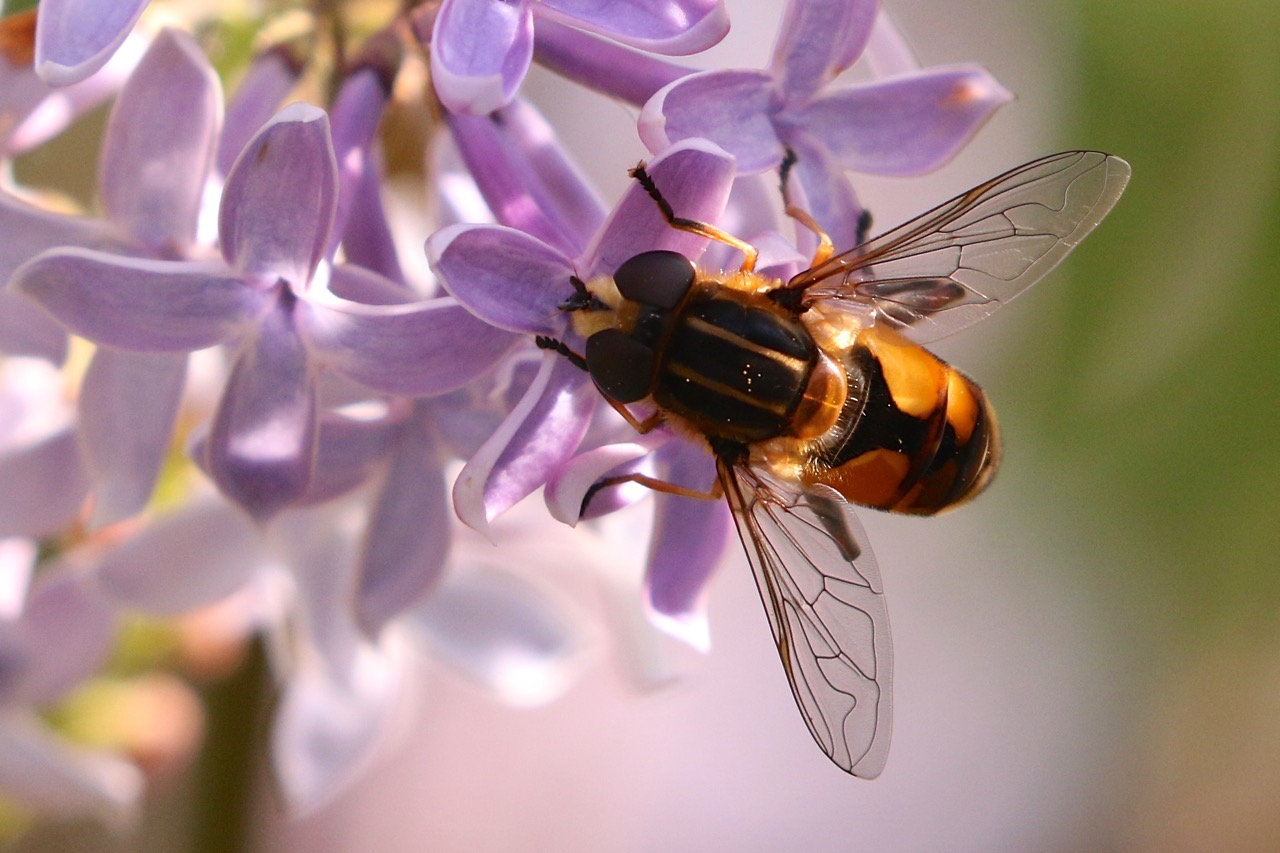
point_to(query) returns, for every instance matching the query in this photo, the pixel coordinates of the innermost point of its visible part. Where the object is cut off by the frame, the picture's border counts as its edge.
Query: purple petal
(184, 560)
(23, 92)
(556, 183)
(128, 404)
(350, 451)
(39, 116)
(695, 177)
(158, 145)
(74, 38)
(26, 330)
(42, 486)
(502, 634)
(341, 691)
(29, 230)
(268, 81)
(319, 551)
(356, 113)
(468, 416)
(17, 564)
(887, 53)
(422, 349)
(360, 284)
(367, 240)
(659, 454)
(262, 445)
(407, 539)
(733, 109)
(566, 491)
(603, 65)
(512, 191)
(65, 631)
(688, 540)
(140, 305)
(531, 444)
(674, 27)
(819, 39)
(905, 125)
(819, 186)
(329, 724)
(505, 277)
(280, 199)
(480, 52)
(50, 776)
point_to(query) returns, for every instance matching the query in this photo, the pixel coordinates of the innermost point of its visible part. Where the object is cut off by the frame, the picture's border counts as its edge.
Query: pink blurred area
(1005, 701)
(999, 728)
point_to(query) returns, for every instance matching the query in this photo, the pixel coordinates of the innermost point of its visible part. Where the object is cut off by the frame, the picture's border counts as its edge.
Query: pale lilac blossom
(906, 124)
(33, 112)
(481, 49)
(156, 158)
(517, 282)
(277, 212)
(43, 482)
(351, 390)
(343, 688)
(264, 87)
(74, 38)
(55, 632)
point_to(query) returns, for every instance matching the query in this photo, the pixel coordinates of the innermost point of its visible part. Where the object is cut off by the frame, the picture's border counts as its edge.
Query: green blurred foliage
(13, 7)
(1155, 390)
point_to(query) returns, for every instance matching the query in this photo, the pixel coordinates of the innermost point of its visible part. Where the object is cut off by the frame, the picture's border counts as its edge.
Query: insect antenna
(560, 347)
(582, 299)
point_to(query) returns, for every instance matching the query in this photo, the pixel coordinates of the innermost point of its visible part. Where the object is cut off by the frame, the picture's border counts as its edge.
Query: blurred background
(1088, 657)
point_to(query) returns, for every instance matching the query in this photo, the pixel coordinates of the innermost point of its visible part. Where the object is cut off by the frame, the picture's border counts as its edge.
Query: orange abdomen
(918, 435)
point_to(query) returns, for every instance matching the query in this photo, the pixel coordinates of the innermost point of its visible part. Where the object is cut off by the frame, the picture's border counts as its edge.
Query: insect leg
(644, 427)
(714, 493)
(749, 252)
(825, 247)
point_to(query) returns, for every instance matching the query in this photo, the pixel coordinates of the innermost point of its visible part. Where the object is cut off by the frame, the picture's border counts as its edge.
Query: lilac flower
(902, 125)
(156, 156)
(30, 113)
(603, 65)
(277, 210)
(52, 637)
(518, 282)
(265, 85)
(341, 687)
(74, 38)
(43, 483)
(481, 49)
(688, 535)
(34, 111)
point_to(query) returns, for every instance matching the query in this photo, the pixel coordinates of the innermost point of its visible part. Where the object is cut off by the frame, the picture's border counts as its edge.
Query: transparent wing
(821, 589)
(962, 260)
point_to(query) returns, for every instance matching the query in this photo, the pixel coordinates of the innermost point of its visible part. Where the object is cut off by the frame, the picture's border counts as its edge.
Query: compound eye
(658, 278)
(621, 366)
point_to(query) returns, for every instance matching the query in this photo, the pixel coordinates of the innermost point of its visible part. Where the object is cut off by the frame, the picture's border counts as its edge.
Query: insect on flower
(814, 394)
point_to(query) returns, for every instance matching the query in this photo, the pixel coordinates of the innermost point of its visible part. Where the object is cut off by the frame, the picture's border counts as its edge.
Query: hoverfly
(814, 394)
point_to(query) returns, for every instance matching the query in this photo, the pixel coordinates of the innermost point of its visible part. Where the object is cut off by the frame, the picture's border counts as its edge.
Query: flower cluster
(246, 306)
